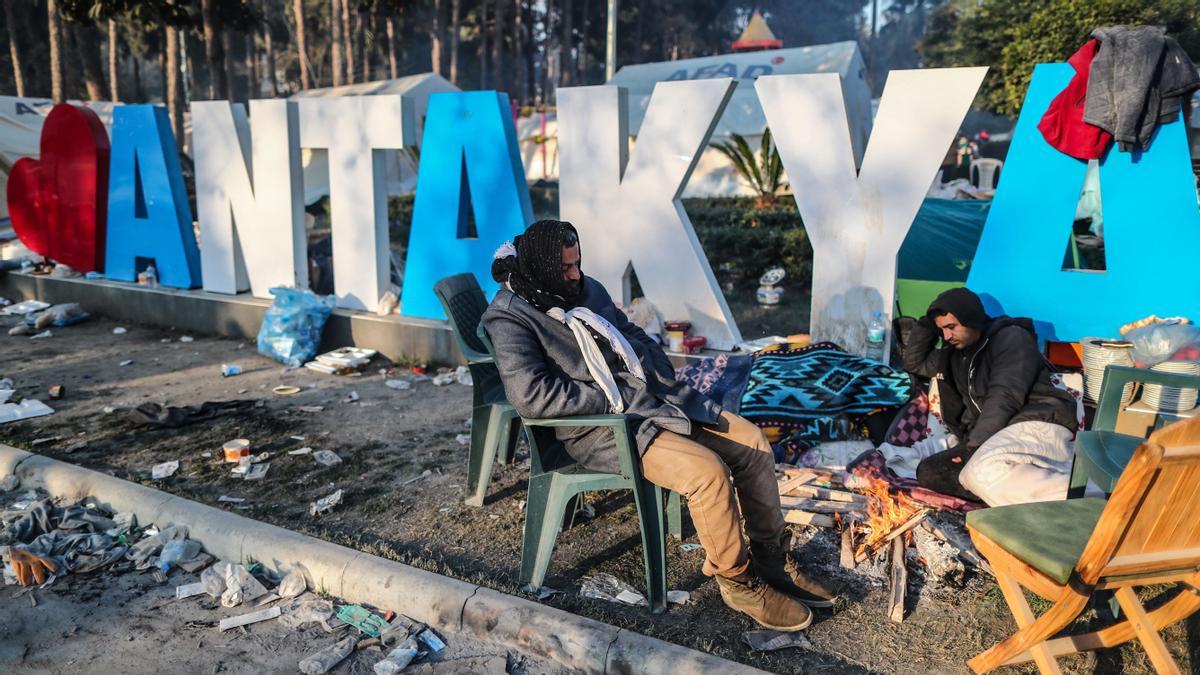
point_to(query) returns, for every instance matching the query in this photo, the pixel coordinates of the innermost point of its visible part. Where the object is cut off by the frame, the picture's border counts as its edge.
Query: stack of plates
(1098, 354)
(1170, 399)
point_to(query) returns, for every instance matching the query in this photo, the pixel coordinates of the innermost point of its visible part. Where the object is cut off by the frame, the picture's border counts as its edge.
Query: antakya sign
(626, 205)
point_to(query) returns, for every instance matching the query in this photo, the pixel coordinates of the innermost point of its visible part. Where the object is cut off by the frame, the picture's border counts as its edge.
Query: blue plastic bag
(291, 328)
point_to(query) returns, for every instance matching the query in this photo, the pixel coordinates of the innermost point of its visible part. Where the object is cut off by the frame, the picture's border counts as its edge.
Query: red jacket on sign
(1063, 125)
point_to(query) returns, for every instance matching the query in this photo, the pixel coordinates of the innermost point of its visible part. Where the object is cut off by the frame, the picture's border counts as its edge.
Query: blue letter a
(470, 165)
(1151, 230)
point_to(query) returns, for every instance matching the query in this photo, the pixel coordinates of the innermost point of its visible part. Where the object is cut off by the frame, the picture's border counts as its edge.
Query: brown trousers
(699, 467)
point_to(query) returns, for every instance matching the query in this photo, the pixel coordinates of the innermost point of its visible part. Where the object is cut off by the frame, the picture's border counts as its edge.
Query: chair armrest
(627, 453)
(1115, 379)
(577, 421)
(473, 357)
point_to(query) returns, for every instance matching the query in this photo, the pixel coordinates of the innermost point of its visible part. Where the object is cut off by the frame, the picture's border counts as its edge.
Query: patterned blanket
(722, 378)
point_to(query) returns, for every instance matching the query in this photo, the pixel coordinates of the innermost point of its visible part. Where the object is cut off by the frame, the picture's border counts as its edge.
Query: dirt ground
(388, 437)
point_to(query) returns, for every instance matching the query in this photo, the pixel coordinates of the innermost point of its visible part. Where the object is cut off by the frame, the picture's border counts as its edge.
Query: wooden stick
(794, 471)
(908, 525)
(825, 493)
(792, 482)
(819, 506)
(847, 554)
(899, 576)
(804, 518)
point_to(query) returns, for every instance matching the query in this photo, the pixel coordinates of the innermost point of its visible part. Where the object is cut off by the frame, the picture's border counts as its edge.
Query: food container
(236, 449)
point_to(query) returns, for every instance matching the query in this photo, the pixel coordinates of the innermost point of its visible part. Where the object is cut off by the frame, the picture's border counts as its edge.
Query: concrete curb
(455, 606)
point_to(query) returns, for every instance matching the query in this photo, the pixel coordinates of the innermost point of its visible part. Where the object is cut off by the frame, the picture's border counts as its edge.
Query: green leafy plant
(762, 170)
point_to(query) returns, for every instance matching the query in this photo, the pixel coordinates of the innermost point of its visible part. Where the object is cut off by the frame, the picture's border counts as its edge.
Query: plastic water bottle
(172, 553)
(876, 334)
(151, 277)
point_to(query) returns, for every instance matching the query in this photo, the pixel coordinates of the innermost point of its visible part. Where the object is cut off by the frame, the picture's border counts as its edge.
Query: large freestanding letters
(353, 128)
(470, 171)
(628, 209)
(857, 220)
(1151, 227)
(149, 220)
(250, 202)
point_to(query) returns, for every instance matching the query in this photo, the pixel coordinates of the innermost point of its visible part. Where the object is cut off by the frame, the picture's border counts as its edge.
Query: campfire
(890, 515)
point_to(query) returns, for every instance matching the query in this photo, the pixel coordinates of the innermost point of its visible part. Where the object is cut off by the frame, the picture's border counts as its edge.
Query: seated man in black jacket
(1013, 429)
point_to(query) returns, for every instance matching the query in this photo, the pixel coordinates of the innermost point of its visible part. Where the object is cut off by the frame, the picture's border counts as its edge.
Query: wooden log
(908, 525)
(899, 579)
(820, 506)
(804, 518)
(795, 471)
(847, 553)
(792, 482)
(826, 493)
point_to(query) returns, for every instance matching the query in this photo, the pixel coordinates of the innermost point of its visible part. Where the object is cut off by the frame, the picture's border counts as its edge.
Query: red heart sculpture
(59, 202)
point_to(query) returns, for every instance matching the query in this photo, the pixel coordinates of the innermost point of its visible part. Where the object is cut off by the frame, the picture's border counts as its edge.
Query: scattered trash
(43, 334)
(45, 439)
(297, 438)
(186, 338)
(236, 449)
(232, 583)
(363, 619)
(771, 640)
(242, 391)
(325, 660)
(431, 640)
(351, 397)
(292, 325)
(341, 361)
(230, 370)
(26, 307)
(678, 597)
(188, 590)
(587, 510)
(177, 550)
(126, 362)
(399, 385)
(605, 586)
(30, 407)
(252, 617)
(444, 510)
(310, 408)
(398, 659)
(463, 439)
(307, 610)
(688, 548)
(164, 470)
(326, 458)
(231, 500)
(542, 592)
(387, 304)
(286, 390)
(463, 375)
(301, 451)
(257, 471)
(443, 379)
(20, 329)
(325, 504)
(424, 474)
(267, 599)
(292, 584)
(119, 330)
(57, 391)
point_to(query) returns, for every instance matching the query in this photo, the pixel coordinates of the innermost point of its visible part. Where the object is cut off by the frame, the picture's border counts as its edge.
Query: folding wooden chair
(1147, 532)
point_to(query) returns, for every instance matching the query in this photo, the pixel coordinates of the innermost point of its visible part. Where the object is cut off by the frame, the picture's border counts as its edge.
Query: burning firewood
(847, 552)
(872, 541)
(821, 506)
(899, 579)
(890, 516)
(804, 518)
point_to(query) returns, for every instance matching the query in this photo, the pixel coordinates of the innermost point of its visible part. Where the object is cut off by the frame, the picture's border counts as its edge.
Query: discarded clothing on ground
(74, 538)
(153, 414)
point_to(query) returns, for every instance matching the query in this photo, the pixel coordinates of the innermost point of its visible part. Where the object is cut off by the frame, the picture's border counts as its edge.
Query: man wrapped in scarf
(564, 349)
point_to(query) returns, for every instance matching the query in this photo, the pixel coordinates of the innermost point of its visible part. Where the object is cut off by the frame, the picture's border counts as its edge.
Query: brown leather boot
(755, 598)
(776, 566)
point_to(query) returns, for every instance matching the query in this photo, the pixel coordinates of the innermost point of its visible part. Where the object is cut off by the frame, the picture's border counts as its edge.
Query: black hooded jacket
(1000, 380)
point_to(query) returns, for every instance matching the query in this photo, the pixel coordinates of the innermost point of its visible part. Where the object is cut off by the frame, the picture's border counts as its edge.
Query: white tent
(401, 168)
(714, 175)
(21, 122)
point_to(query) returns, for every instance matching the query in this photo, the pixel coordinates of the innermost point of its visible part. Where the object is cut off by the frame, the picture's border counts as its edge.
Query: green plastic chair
(495, 426)
(555, 484)
(1101, 454)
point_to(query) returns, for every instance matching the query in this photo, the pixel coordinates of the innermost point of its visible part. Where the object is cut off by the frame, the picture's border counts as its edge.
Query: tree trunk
(521, 85)
(88, 44)
(526, 66)
(14, 50)
(233, 84)
(566, 66)
(368, 48)
(348, 40)
(305, 78)
(252, 65)
(174, 91)
(113, 62)
(269, 48)
(335, 46)
(393, 67)
(56, 64)
(483, 43)
(455, 13)
(435, 38)
(581, 63)
(138, 94)
(214, 54)
(70, 61)
(498, 81)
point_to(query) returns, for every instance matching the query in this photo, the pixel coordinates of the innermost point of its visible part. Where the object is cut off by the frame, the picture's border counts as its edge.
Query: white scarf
(578, 319)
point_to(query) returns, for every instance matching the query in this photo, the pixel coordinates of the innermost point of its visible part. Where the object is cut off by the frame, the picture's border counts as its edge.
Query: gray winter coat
(544, 375)
(1136, 82)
